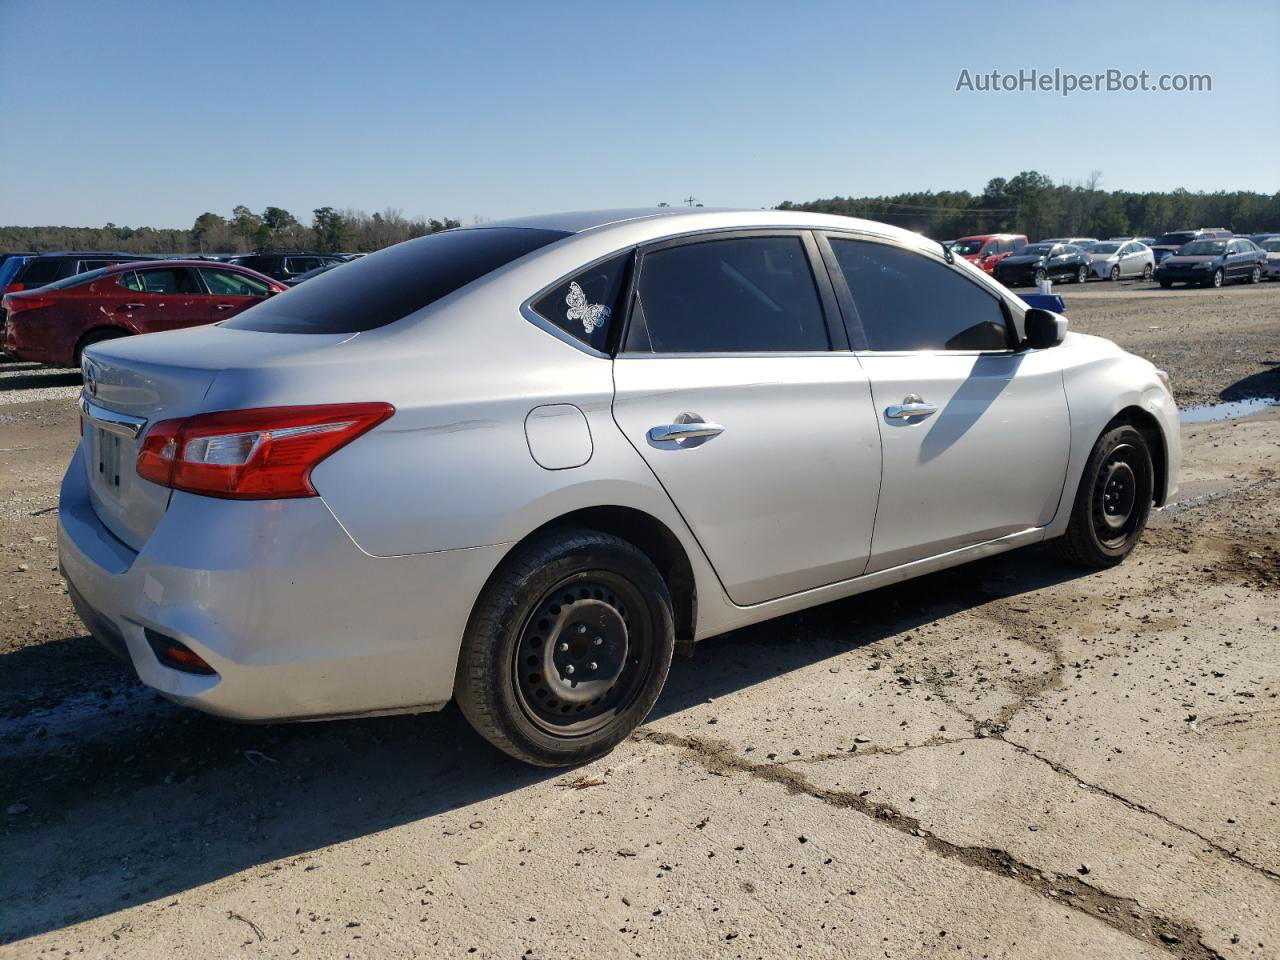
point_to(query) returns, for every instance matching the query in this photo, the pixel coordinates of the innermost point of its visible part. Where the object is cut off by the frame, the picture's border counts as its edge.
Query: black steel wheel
(567, 649)
(1113, 500)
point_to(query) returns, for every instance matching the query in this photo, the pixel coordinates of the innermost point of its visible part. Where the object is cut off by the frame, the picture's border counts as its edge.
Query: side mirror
(1044, 329)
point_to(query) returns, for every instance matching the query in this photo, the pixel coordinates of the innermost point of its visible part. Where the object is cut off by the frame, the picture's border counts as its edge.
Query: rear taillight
(16, 305)
(260, 454)
(15, 288)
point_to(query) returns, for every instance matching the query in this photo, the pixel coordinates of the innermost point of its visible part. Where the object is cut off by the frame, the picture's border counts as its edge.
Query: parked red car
(54, 323)
(985, 250)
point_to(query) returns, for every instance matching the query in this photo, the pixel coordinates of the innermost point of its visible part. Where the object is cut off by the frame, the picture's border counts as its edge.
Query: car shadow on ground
(21, 375)
(1263, 384)
(128, 799)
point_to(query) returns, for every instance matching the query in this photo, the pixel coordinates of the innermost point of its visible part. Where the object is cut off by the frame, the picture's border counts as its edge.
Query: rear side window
(906, 301)
(168, 280)
(40, 272)
(584, 306)
(392, 283)
(738, 295)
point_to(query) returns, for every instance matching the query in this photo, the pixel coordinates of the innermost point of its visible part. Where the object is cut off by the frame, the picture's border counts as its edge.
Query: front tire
(1146, 273)
(1112, 502)
(1256, 275)
(567, 649)
(1115, 273)
(1082, 274)
(1166, 284)
(1218, 278)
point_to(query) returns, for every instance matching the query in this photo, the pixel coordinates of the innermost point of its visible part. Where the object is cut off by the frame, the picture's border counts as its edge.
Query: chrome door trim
(121, 424)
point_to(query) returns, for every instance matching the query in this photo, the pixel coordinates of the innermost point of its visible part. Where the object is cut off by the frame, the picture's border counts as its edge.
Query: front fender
(1101, 382)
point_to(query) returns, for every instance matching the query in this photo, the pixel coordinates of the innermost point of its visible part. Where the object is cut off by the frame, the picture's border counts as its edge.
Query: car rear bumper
(296, 621)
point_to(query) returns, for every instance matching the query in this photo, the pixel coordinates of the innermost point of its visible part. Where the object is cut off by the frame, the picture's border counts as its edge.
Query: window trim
(837, 336)
(542, 323)
(857, 334)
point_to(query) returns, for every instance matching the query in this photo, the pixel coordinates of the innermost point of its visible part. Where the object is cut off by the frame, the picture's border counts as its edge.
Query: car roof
(652, 223)
(117, 254)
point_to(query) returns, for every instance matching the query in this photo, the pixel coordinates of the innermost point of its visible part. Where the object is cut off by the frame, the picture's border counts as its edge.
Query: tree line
(1029, 203)
(1033, 204)
(330, 231)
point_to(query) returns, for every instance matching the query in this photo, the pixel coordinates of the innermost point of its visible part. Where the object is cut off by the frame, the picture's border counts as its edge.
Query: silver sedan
(1120, 260)
(519, 464)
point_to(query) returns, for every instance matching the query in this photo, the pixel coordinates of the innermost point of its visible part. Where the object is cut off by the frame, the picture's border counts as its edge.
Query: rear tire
(1166, 284)
(100, 335)
(567, 649)
(1146, 273)
(1113, 501)
(1256, 275)
(1082, 274)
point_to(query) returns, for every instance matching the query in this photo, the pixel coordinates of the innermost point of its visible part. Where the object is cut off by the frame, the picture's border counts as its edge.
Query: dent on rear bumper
(297, 621)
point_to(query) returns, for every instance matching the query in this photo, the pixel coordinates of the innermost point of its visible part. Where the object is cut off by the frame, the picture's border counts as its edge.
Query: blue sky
(150, 113)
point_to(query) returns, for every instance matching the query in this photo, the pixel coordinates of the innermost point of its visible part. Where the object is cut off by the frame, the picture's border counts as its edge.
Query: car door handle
(131, 306)
(224, 306)
(912, 406)
(692, 430)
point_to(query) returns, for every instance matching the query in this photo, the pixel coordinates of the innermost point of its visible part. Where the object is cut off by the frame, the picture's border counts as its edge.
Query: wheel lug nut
(569, 668)
(598, 641)
(582, 628)
(591, 665)
(562, 647)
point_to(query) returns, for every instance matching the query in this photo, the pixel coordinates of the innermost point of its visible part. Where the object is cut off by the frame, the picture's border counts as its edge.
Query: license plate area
(108, 452)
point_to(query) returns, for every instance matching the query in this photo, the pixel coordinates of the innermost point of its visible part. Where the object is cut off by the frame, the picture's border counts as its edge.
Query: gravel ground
(1009, 759)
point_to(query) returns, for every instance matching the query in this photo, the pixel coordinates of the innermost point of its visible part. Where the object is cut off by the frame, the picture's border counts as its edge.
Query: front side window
(232, 283)
(737, 295)
(906, 301)
(586, 305)
(393, 283)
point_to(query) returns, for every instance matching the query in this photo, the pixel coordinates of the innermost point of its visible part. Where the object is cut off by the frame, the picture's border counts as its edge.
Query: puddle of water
(1213, 412)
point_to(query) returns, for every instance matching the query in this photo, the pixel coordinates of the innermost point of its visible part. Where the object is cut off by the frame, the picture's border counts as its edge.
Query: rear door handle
(911, 406)
(131, 306)
(691, 430)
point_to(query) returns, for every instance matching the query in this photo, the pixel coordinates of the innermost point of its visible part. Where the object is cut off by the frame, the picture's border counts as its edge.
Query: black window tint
(909, 302)
(296, 265)
(392, 283)
(40, 272)
(233, 283)
(169, 280)
(740, 295)
(585, 305)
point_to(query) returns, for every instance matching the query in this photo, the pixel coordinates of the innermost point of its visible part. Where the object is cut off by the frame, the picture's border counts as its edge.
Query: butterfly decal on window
(592, 315)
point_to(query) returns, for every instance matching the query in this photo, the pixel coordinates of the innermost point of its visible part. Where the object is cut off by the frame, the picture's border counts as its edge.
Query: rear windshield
(1104, 248)
(1204, 248)
(76, 279)
(385, 286)
(1169, 239)
(1037, 249)
(967, 248)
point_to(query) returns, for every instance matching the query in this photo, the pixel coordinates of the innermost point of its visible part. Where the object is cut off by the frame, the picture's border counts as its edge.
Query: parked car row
(1015, 262)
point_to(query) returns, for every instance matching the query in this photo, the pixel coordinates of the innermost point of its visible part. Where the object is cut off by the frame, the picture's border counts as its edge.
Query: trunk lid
(133, 383)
